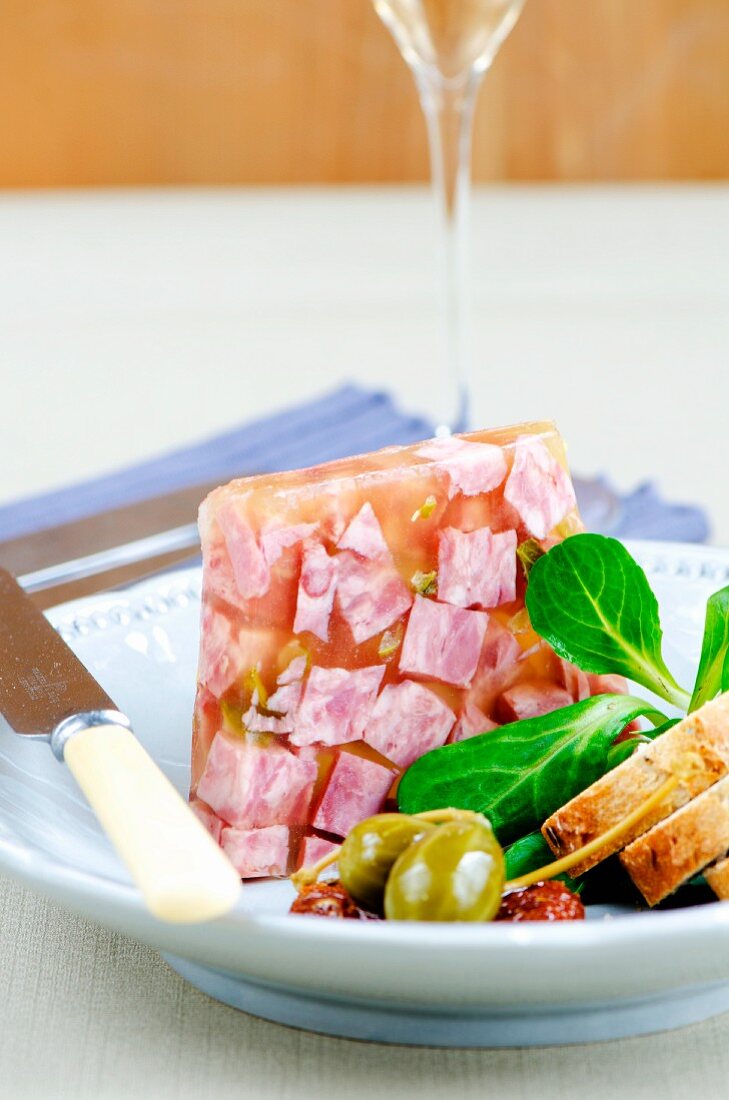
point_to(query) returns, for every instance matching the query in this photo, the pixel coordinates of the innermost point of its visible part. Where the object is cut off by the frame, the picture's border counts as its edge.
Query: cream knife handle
(182, 873)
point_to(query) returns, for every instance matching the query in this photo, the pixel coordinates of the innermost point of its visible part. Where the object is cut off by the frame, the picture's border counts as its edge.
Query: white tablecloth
(87, 1015)
(134, 321)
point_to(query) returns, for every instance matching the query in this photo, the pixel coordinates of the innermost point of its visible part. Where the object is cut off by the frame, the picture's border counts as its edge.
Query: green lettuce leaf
(592, 602)
(530, 852)
(712, 676)
(521, 773)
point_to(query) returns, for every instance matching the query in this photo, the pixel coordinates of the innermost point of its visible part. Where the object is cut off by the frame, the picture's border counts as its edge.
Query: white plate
(442, 984)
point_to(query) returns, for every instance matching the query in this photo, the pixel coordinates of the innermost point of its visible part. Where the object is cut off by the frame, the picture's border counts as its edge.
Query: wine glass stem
(448, 109)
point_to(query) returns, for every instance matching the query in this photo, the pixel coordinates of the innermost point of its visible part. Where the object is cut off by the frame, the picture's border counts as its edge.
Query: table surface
(135, 321)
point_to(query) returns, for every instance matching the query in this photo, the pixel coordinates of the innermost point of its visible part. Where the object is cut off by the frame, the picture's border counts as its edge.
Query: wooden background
(267, 91)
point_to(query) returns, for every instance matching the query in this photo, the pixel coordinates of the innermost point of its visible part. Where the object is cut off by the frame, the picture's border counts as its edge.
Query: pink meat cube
(607, 684)
(220, 664)
(277, 538)
(574, 680)
(374, 603)
(252, 785)
(371, 595)
(538, 487)
(281, 707)
(356, 789)
(476, 568)
(472, 468)
(211, 821)
(500, 656)
(472, 722)
(251, 571)
(256, 722)
(317, 585)
(364, 535)
(286, 698)
(531, 700)
(336, 705)
(257, 853)
(227, 653)
(407, 721)
(314, 848)
(443, 642)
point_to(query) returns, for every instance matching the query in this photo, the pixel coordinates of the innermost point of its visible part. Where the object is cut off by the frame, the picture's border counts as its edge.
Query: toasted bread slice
(717, 877)
(680, 846)
(702, 736)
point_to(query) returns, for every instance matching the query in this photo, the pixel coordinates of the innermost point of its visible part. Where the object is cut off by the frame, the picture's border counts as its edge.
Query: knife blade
(46, 692)
(42, 681)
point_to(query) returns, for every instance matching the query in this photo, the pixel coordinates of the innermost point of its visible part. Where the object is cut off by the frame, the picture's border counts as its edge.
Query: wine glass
(449, 45)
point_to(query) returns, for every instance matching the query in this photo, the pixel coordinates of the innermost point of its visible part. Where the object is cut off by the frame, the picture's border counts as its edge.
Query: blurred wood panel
(261, 91)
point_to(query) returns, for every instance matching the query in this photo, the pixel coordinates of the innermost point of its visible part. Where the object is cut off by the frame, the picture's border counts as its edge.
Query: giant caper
(454, 873)
(369, 851)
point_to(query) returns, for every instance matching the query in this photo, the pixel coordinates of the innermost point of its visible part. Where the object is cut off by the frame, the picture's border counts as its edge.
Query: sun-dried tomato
(542, 901)
(326, 899)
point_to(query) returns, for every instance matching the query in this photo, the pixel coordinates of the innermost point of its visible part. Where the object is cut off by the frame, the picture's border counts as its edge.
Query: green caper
(369, 851)
(454, 873)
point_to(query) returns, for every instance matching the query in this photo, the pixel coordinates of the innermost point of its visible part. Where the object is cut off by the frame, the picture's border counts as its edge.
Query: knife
(47, 693)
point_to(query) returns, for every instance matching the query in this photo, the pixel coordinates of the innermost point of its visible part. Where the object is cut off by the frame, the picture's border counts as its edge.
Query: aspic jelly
(358, 614)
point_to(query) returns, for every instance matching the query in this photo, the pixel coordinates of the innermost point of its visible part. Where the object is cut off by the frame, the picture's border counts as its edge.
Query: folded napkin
(344, 422)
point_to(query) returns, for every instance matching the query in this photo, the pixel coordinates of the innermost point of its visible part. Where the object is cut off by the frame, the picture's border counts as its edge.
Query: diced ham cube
(371, 595)
(279, 537)
(443, 642)
(207, 721)
(221, 658)
(295, 670)
(498, 666)
(531, 699)
(210, 820)
(336, 705)
(607, 684)
(227, 654)
(574, 680)
(218, 574)
(340, 500)
(500, 651)
(317, 585)
(250, 568)
(472, 722)
(252, 785)
(364, 535)
(538, 487)
(315, 848)
(217, 570)
(257, 853)
(478, 568)
(472, 468)
(356, 789)
(283, 704)
(408, 720)
(286, 698)
(256, 722)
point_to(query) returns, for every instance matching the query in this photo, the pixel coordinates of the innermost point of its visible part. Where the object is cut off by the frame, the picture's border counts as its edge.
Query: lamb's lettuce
(592, 602)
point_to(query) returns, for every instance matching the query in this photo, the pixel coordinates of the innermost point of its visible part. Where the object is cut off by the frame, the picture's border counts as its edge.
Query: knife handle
(182, 873)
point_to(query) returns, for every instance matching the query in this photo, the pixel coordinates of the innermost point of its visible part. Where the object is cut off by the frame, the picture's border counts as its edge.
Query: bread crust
(703, 735)
(680, 846)
(717, 877)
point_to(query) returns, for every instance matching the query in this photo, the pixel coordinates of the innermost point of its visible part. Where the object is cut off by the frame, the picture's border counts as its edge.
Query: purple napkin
(344, 422)
(643, 515)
